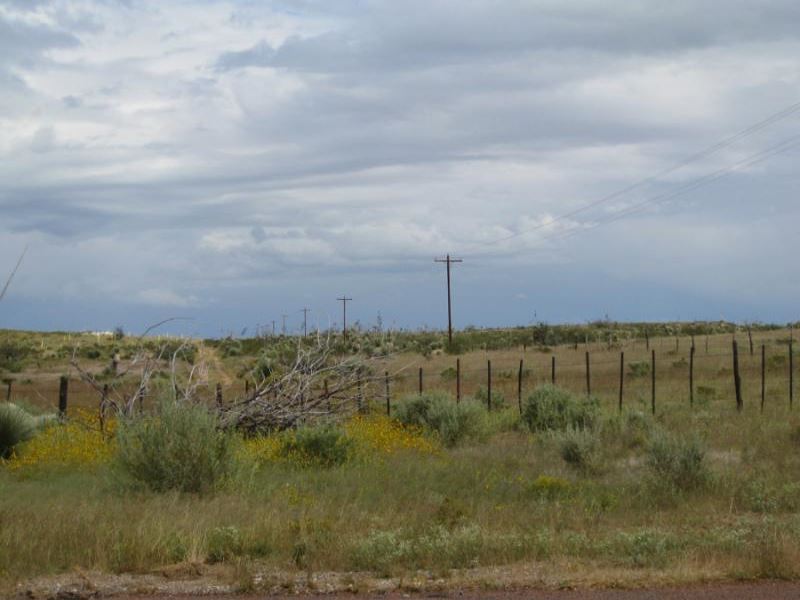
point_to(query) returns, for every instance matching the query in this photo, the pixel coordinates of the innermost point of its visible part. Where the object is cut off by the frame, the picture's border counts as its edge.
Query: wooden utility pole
(344, 300)
(305, 321)
(448, 261)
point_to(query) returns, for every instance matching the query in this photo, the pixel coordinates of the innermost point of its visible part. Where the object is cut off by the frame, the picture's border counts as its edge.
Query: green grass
(729, 507)
(503, 500)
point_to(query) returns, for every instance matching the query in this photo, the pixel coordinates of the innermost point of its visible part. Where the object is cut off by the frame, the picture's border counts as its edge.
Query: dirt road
(743, 591)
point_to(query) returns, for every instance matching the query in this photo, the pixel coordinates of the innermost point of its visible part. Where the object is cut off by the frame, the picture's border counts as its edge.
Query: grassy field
(692, 493)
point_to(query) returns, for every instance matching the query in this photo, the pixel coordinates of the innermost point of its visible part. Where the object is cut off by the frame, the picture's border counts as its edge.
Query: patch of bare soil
(514, 582)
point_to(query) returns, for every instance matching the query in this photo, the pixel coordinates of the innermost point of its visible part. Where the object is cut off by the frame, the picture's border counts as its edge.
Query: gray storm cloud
(184, 154)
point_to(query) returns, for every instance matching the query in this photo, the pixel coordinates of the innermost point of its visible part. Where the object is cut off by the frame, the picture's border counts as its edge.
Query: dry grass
(507, 500)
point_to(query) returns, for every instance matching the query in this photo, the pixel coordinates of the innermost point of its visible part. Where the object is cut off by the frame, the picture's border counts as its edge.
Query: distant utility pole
(447, 260)
(283, 327)
(305, 321)
(273, 327)
(344, 300)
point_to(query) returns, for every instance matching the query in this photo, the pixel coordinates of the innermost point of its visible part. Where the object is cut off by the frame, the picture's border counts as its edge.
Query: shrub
(16, 426)
(451, 421)
(580, 449)
(179, 448)
(638, 369)
(498, 398)
(224, 543)
(678, 461)
(324, 446)
(550, 408)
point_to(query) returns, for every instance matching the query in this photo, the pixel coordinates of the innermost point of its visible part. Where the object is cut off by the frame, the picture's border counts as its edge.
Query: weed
(678, 461)
(550, 408)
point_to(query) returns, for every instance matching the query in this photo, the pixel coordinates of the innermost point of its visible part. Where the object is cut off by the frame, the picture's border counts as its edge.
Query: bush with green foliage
(481, 396)
(325, 446)
(16, 426)
(550, 408)
(180, 447)
(677, 461)
(453, 422)
(580, 449)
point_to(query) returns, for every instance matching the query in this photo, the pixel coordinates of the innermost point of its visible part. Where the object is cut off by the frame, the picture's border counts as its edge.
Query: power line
(780, 148)
(784, 146)
(713, 149)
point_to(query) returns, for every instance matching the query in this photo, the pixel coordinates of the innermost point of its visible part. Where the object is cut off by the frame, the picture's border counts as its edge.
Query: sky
(231, 162)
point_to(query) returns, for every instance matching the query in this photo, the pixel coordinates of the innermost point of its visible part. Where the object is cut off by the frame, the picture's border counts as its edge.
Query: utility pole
(448, 261)
(305, 321)
(273, 327)
(283, 327)
(344, 300)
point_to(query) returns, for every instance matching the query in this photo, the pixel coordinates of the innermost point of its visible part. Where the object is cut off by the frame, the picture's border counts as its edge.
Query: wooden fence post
(588, 376)
(458, 380)
(519, 386)
(420, 381)
(388, 396)
(750, 337)
(653, 382)
(489, 384)
(763, 375)
(621, 377)
(360, 396)
(737, 380)
(553, 370)
(691, 376)
(103, 402)
(63, 393)
(647, 339)
(791, 374)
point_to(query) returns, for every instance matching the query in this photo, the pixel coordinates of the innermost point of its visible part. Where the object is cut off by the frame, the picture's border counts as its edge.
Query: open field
(692, 493)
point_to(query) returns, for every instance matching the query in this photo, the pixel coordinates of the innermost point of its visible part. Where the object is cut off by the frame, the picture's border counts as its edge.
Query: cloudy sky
(231, 162)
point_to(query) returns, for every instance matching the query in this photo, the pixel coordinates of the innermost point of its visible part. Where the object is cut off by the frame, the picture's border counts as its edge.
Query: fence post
(737, 381)
(653, 381)
(103, 401)
(691, 376)
(791, 374)
(360, 396)
(588, 376)
(458, 380)
(647, 339)
(763, 375)
(63, 393)
(219, 395)
(621, 377)
(553, 370)
(519, 386)
(420, 381)
(750, 337)
(388, 396)
(489, 384)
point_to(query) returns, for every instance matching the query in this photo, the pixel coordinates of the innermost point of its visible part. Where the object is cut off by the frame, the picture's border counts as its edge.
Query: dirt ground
(744, 591)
